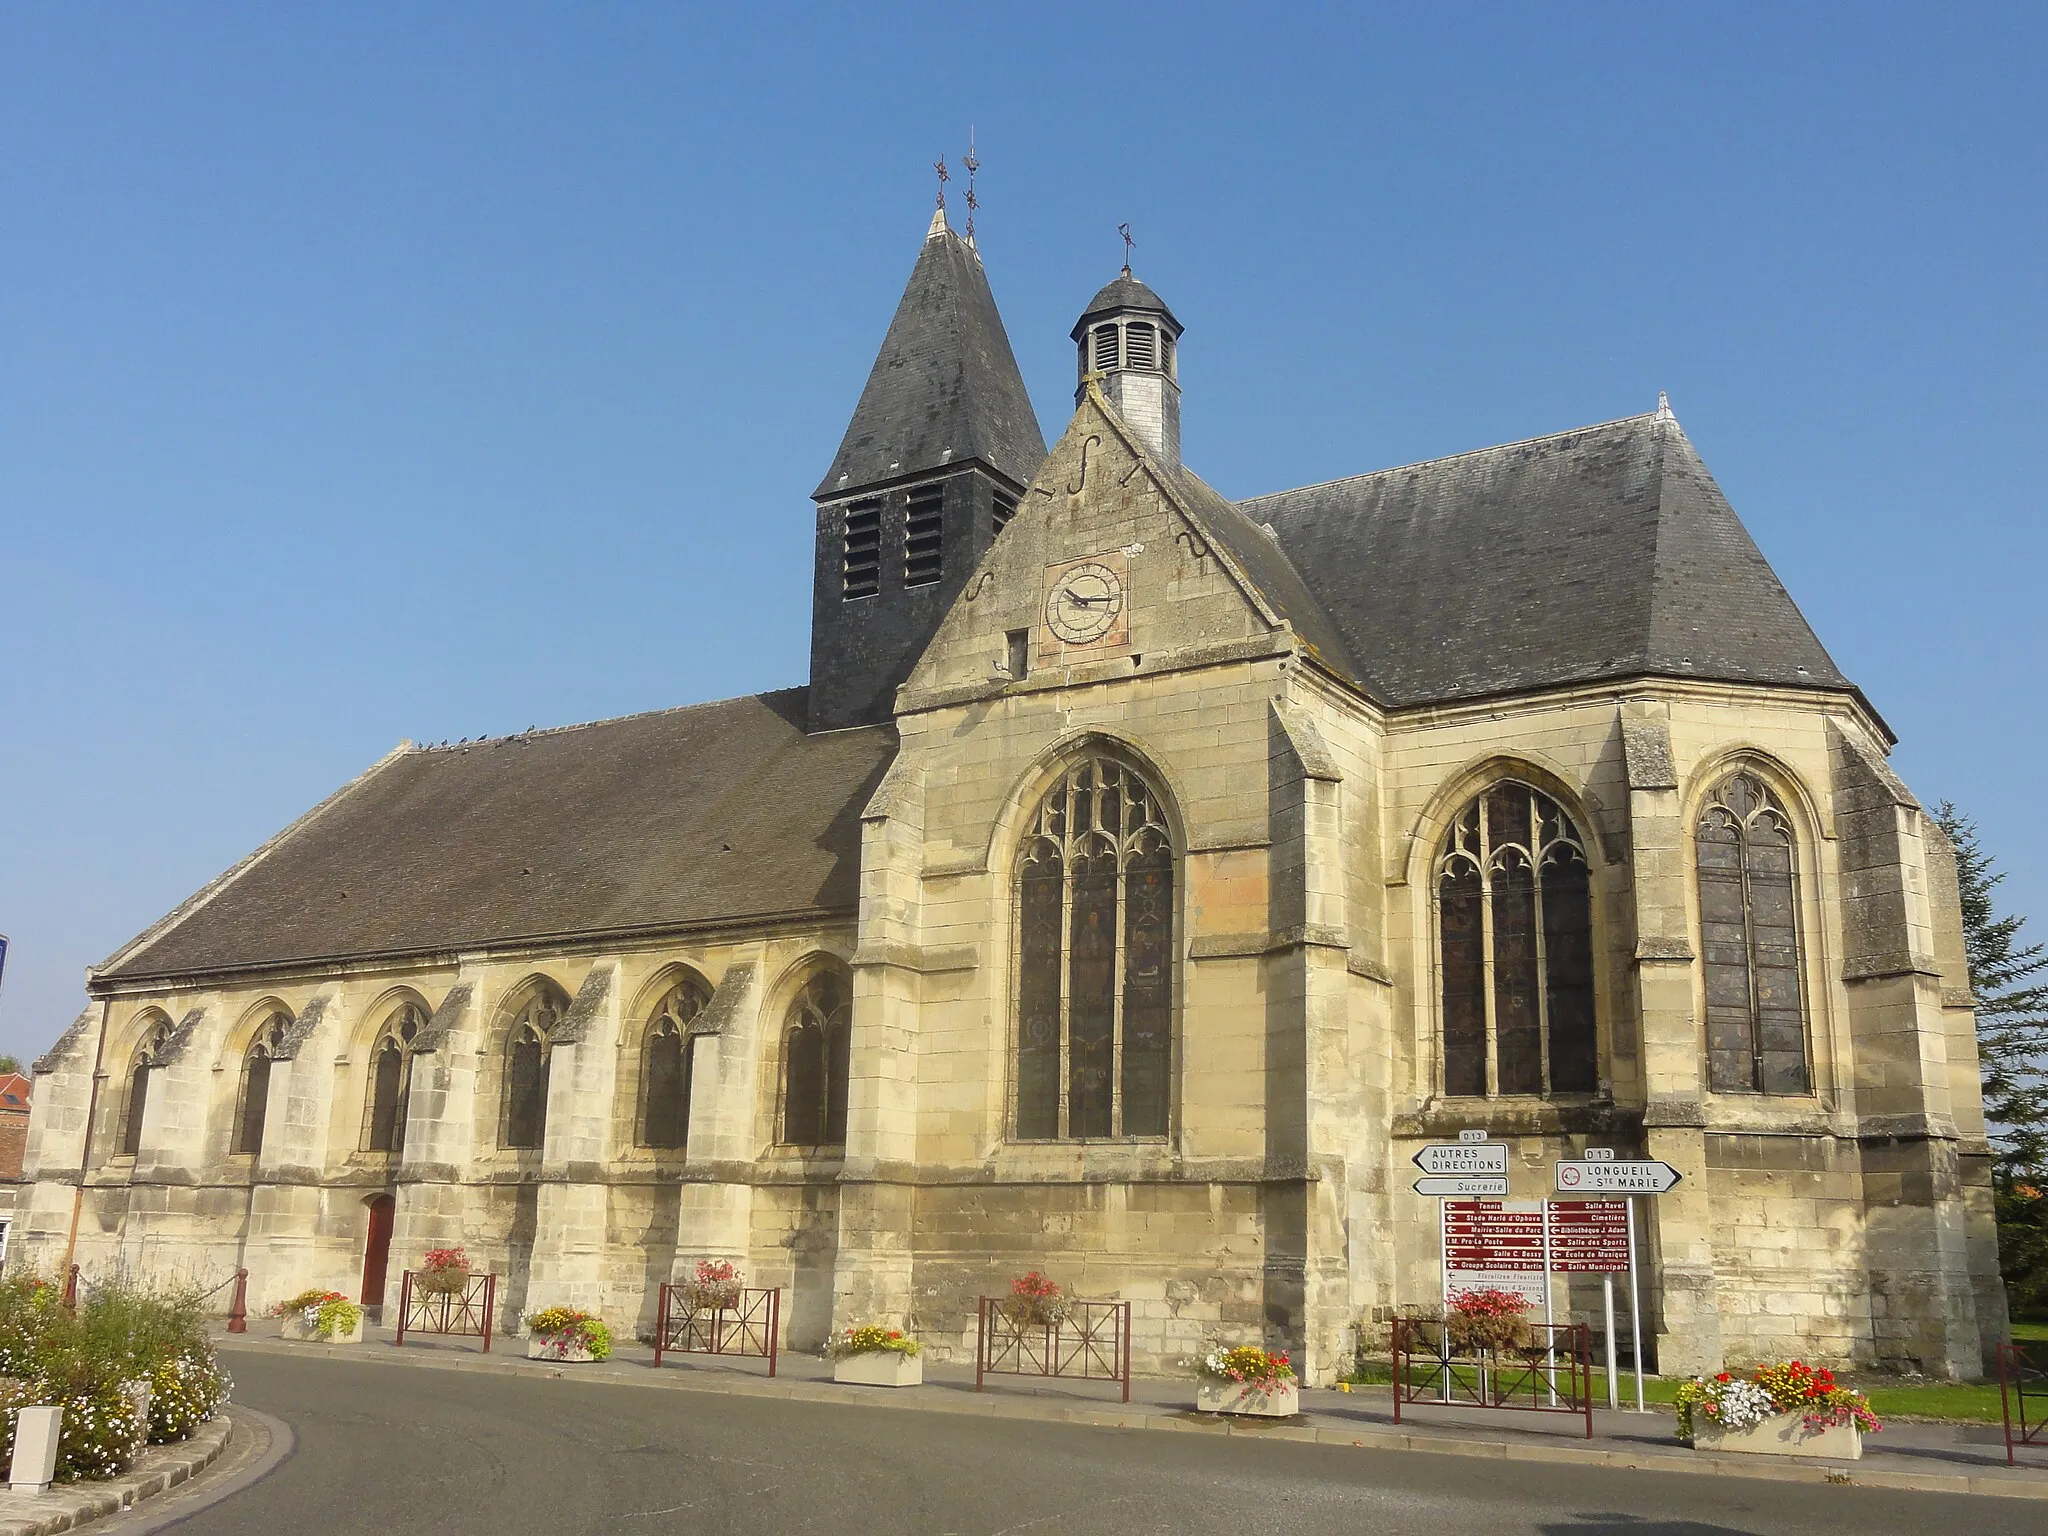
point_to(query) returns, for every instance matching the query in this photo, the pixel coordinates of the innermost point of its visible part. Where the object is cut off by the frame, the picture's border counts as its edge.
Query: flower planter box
(1283, 1402)
(297, 1329)
(1783, 1434)
(880, 1368)
(548, 1346)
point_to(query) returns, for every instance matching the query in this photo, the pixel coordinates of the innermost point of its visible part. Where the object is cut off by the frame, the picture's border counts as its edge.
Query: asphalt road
(387, 1449)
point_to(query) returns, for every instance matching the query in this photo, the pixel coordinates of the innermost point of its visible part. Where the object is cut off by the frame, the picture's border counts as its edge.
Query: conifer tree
(2011, 986)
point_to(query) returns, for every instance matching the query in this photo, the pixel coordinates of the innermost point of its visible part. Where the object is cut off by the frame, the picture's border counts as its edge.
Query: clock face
(1084, 603)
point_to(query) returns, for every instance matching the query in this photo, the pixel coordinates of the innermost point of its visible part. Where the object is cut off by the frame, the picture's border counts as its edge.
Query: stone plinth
(1782, 1434)
(880, 1368)
(1283, 1402)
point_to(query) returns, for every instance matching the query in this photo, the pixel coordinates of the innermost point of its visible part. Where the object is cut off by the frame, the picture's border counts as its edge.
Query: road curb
(159, 1468)
(1374, 1438)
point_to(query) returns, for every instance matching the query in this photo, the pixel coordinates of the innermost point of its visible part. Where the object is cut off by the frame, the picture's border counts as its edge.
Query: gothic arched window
(145, 1060)
(391, 1079)
(255, 1099)
(1095, 951)
(1749, 942)
(816, 1056)
(528, 1045)
(1515, 921)
(665, 1067)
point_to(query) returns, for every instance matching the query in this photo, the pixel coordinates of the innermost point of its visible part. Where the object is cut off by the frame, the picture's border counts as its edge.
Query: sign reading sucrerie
(1471, 1186)
(1452, 1157)
(1616, 1178)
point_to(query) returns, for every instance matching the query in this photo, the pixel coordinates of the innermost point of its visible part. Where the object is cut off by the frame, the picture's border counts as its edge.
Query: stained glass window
(1749, 942)
(391, 1079)
(528, 1046)
(1095, 951)
(665, 1068)
(1515, 949)
(816, 1062)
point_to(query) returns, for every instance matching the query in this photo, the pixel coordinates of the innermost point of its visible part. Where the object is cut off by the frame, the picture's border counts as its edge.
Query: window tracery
(816, 1062)
(391, 1062)
(1515, 925)
(1095, 899)
(255, 1097)
(667, 1060)
(1749, 941)
(529, 1045)
(148, 1055)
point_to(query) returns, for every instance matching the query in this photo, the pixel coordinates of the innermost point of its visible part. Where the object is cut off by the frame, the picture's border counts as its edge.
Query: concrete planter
(557, 1346)
(1213, 1396)
(296, 1328)
(880, 1368)
(1782, 1434)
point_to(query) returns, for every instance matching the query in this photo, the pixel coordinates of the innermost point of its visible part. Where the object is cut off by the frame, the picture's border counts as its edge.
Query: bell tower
(940, 448)
(1130, 339)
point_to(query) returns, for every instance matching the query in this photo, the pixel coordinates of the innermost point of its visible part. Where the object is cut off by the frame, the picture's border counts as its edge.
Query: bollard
(35, 1449)
(238, 1309)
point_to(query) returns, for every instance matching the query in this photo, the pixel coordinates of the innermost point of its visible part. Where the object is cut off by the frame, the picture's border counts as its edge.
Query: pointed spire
(1664, 412)
(945, 389)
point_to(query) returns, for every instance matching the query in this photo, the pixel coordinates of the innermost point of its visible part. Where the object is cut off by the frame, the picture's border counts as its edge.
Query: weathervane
(939, 165)
(972, 165)
(1125, 231)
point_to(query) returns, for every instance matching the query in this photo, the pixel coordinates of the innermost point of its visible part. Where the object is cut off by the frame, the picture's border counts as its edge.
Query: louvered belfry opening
(924, 527)
(1515, 931)
(1095, 903)
(861, 561)
(1749, 942)
(1005, 508)
(1107, 353)
(1141, 348)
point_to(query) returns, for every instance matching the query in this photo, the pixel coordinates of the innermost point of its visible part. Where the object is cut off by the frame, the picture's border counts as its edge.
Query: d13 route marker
(1471, 1187)
(1616, 1178)
(1463, 1157)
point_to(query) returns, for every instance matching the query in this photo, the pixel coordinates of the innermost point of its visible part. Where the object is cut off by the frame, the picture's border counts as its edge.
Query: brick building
(1140, 879)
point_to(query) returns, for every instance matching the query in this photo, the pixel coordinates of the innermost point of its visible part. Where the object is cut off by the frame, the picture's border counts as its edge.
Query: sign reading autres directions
(1466, 1157)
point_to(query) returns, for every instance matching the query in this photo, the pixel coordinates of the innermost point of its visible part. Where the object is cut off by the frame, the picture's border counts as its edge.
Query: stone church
(1141, 878)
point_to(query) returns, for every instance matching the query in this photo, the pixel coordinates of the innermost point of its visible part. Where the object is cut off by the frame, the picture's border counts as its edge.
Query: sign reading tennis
(1469, 1157)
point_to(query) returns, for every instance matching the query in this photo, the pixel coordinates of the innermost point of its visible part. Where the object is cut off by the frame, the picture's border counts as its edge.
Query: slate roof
(945, 387)
(711, 814)
(1603, 552)
(1125, 293)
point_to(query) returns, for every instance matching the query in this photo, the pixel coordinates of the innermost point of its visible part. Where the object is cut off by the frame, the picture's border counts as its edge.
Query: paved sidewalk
(1940, 1458)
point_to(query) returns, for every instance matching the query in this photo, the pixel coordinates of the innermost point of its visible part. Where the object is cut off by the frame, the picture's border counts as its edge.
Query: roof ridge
(1445, 458)
(419, 749)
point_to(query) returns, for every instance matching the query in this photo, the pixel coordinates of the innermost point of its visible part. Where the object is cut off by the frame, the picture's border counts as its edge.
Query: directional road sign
(1616, 1178)
(1463, 1157)
(1469, 1187)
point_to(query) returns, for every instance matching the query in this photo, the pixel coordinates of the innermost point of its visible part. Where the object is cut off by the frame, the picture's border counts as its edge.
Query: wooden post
(661, 1322)
(490, 1299)
(71, 1289)
(238, 1308)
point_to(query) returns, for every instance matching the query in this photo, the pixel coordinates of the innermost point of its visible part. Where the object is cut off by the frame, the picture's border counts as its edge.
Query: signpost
(1608, 1177)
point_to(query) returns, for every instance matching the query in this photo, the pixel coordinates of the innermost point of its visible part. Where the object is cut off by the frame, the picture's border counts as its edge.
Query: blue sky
(373, 372)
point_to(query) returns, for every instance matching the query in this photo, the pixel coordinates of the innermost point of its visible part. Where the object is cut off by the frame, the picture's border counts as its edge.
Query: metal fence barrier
(464, 1314)
(1551, 1373)
(2023, 1395)
(1091, 1341)
(750, 1328)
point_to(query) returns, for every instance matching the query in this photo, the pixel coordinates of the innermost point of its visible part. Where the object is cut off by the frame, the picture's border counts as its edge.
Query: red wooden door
(377, 1251)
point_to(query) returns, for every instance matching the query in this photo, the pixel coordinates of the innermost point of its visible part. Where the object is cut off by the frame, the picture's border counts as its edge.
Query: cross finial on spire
(972, 165)
(1125, 231)
(939, 165)
(1664, 411)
